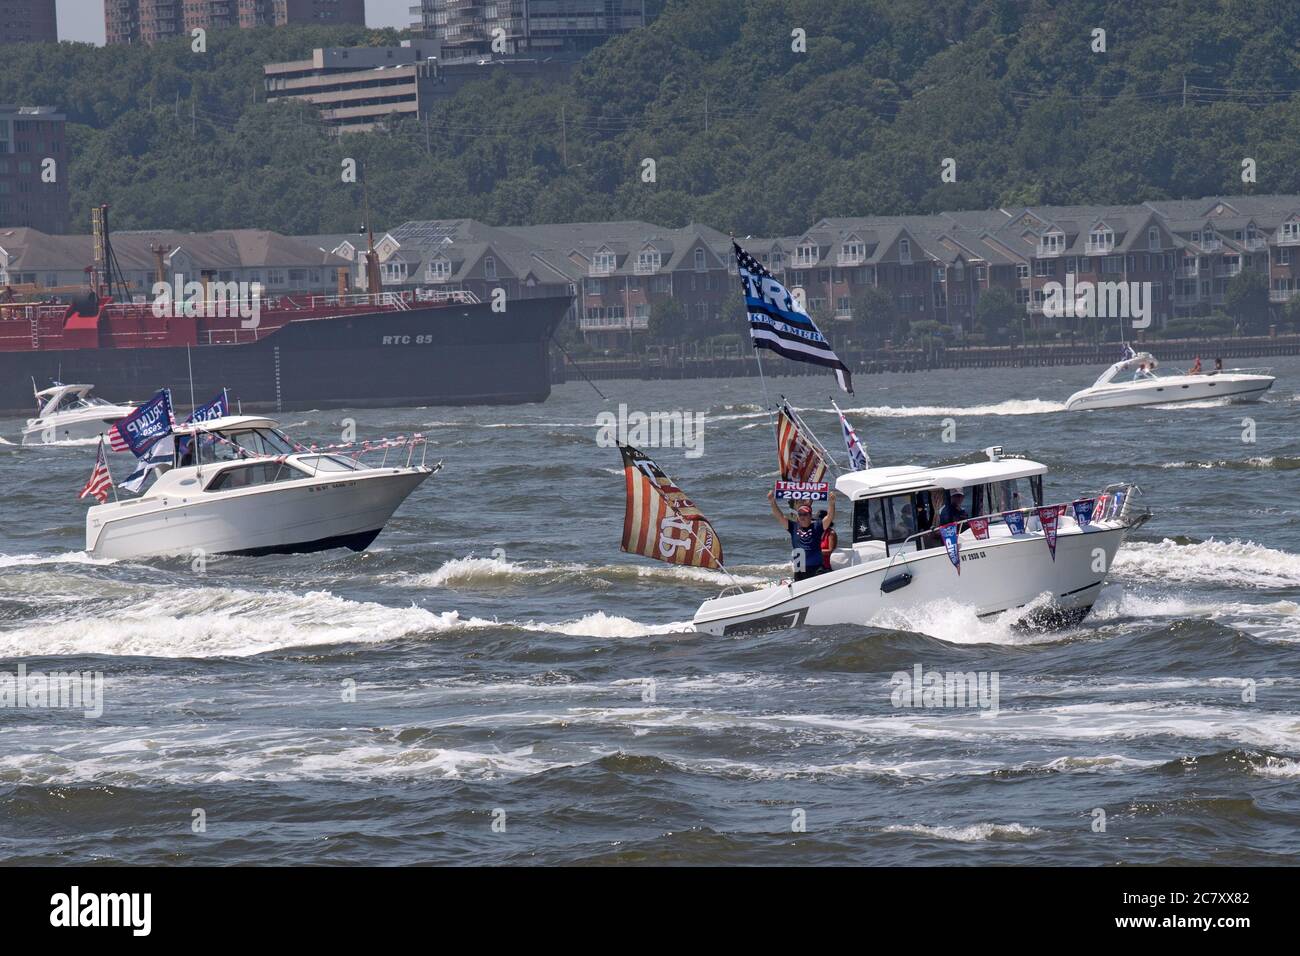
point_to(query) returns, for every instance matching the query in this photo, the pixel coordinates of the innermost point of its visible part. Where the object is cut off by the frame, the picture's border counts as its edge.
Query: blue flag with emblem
(219, 407)
(779, 323)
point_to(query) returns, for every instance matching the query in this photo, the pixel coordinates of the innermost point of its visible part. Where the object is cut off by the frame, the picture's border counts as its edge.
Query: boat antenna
(190, 364)
(570, 360)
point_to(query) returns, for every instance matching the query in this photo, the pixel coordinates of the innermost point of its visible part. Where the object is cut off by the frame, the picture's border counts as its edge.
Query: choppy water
(507, 658)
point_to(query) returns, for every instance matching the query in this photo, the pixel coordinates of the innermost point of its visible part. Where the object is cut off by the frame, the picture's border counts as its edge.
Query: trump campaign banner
(952, 544)
(803, 490)
(1015, 520)
(1083, 509)
(138, 431)
(980, 528)
(1049, 518)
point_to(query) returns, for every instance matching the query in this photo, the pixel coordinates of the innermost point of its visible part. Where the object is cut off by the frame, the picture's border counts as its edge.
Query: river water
(494, 682)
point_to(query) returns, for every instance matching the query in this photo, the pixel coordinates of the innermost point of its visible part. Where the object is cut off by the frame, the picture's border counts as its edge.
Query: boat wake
(1027, 406)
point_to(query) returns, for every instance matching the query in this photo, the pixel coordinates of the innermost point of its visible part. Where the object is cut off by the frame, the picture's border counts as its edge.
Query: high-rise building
(148, 21)
(478, 28)
(33, 168)
(28, 21)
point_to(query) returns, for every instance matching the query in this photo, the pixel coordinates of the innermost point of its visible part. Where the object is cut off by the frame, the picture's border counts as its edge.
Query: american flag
(797, 458)
(777, 322)
(100, 479)
(660, 522)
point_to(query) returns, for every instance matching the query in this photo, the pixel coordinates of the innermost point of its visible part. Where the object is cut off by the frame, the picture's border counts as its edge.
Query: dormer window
(1291, 230)
(904, 250)
(778, 262)
(648, 260)
(1153, 238)
(605, 261)
(806, 254)
(699, 260)
(438, 270)
(489, 267)
(1101, 239)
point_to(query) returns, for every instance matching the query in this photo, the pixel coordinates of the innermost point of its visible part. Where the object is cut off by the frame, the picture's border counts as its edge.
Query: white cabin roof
(897, 479)
(225, 424)
(54, 390)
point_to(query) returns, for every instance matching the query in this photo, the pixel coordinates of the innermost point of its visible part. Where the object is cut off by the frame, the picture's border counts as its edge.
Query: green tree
(874, 315)
(997, 311)
(1246, 300)
(667, 322)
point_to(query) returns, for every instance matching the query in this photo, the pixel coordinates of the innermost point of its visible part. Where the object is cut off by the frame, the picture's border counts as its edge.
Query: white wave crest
(1235, 563)
(975, 833)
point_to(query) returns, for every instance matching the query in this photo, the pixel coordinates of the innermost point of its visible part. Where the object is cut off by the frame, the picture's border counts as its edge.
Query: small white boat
(897, 562)
(238, 485)
(1116, 389)
(70, 412)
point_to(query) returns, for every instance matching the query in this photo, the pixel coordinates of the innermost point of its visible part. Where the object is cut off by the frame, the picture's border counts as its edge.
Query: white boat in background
(70, 412)
(238, 485)
(897, 562)
(1145, 387)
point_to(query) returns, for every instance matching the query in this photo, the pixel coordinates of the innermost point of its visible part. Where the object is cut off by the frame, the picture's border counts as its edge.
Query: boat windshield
(895, 518)
(233, 446)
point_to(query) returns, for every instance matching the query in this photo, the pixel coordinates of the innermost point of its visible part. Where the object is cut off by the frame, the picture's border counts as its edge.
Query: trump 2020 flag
(777, 322)
(951, 542)
(797, 457)
(660, 522)
(858, 460)
(144, 426)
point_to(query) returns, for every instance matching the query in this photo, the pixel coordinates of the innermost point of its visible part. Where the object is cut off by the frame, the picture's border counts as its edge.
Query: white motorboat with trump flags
(1117, 388)
(1010, 551)
(978, 534)
(237, 484)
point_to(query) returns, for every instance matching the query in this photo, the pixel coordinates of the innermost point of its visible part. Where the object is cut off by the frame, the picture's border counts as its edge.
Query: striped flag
(858, 460)
(660, 521)
(798, 459)
(777, 322)
(100, 479)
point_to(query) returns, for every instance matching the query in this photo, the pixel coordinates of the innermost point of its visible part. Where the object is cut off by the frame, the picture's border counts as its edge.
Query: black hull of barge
(457, 355)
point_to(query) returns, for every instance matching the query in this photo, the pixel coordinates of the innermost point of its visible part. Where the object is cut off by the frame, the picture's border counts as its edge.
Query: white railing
(850, 258)
(1099, 248)
(646, 268)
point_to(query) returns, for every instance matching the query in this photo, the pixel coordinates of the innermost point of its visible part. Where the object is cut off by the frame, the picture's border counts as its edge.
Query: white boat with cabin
(896, 561)
(238, 485)
(1115, 388)
(69, 413)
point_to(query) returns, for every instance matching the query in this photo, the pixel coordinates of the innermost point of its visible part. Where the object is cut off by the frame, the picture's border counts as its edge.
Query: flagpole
(688, 530)
(112, 484)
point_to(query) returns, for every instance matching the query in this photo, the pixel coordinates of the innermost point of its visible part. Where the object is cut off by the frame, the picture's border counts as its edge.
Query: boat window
(893, 518)
(1007, 496)
(255, 473)
(262, 441)
(329, 463)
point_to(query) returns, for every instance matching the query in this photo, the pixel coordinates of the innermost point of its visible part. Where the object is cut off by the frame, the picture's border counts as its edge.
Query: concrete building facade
(28, 21)
(33, 168)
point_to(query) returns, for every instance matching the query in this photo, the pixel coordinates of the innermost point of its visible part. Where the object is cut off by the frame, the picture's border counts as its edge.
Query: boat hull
(1182, 388)
(434, 355)
(291, 517)
(997, 576)
(71, 428)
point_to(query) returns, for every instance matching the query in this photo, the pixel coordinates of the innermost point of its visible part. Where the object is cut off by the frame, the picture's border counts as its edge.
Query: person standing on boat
(806, 534)
(953, 510)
